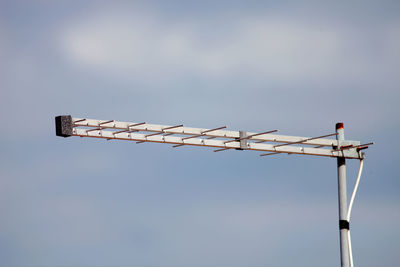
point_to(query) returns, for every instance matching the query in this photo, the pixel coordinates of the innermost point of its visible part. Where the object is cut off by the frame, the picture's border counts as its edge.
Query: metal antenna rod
(162, 131)
(250, 136)
(305, 140)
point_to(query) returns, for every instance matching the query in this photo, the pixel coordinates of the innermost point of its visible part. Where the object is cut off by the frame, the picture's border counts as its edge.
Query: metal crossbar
(215, 137)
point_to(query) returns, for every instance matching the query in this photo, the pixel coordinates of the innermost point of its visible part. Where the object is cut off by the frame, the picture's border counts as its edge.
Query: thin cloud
(269, 46)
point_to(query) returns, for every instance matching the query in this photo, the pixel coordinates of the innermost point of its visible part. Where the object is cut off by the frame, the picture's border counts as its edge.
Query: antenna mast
(221, 139)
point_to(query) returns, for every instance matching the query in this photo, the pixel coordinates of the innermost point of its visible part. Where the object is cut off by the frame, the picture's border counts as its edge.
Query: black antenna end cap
(64, 125)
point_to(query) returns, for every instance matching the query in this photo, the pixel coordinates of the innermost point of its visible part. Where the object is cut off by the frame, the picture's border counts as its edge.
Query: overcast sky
(251, 65)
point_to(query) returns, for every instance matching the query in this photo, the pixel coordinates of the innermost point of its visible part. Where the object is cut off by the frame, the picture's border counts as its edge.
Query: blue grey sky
(296, 66)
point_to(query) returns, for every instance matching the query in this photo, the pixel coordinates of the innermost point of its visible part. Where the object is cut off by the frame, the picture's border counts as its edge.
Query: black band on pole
(344, 224)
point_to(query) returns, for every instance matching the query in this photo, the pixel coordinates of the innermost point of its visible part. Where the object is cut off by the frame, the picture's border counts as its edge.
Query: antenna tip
(63, 125)
(339, 125)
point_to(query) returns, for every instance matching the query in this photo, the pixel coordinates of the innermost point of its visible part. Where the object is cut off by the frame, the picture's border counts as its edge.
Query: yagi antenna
(222, 140)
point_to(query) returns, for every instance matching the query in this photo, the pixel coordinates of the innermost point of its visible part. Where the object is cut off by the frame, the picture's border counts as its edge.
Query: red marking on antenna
(339, 125)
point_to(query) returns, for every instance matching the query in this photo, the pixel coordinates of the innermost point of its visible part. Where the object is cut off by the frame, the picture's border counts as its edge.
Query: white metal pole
(342, 195)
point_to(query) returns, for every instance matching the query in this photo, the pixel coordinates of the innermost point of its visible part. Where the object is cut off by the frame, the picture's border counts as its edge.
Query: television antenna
(221, 139)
